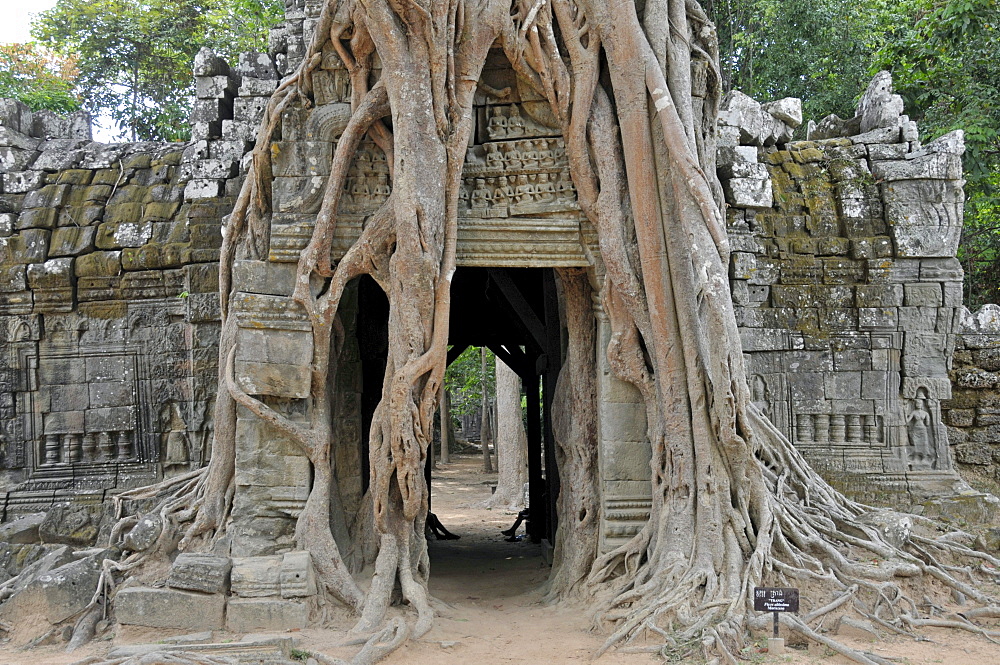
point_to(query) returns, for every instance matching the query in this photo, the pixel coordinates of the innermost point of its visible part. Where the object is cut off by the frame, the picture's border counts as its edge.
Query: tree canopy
(134, 58)
(944, 64)
(38, 77)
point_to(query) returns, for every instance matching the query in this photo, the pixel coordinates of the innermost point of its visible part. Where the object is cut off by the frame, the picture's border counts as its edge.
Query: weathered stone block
(246, 615)
(19, 182)
(11, 138)
(264, 277)
(72, 241)
(28, 246)
(272, 379)
(213, 169)
(170, 608)
(256, 576)
(301, 158)
(69, 397)
(961, 417)
(215, 87)
(256, 66)
(749, 192)
(923, 295)
(16, 115)
(110, 394)
(113, 419)
(200, 572)
(276, 471)
(207, 63)
(298, 194)
(71, 524)
(203, 189)
(13, 278)
(842, 385)
(879, 295)
(37, 218)
(98, 264)
(257, 87)
(876, 318)
(787, 110)
(298, 578)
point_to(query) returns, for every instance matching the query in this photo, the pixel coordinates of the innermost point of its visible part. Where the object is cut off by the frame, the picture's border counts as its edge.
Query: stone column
(624, 452)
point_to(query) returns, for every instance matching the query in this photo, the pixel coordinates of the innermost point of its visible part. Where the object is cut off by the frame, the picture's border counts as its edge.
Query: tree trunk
(486, 421)
(511, 442)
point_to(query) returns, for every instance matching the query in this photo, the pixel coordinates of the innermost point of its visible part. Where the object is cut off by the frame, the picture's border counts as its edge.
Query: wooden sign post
(775, 600)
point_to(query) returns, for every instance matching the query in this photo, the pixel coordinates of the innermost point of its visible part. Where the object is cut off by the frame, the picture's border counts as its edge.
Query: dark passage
(515, 313)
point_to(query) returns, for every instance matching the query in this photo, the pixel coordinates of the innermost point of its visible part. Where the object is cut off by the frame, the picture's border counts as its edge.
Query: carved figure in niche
(560, 151)
(497, 209)
(759, 395)
(525, 191)
(481, 197)
(378, 159)
(364, 161)
(512, 157)
(382, 189)
(463, 194)
(545, 157)
(207, 432)
(347, 196)
(515, 123)
(497, 127)
(544, 191)
(564, 187)
(342, 84)
(920, 434)
(494, 160)
(361, 193)
(529, 156)
(504, 193)
(176, 445)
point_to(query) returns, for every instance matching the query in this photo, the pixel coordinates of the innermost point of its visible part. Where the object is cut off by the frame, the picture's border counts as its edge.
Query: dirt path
(490, 611)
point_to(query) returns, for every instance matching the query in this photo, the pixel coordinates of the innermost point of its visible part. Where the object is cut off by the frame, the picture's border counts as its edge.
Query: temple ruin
(847, 293)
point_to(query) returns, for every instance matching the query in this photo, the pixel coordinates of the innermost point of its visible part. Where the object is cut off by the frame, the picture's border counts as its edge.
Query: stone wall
(846, 288)
(972, 415)
(108, 307)
(847, 292)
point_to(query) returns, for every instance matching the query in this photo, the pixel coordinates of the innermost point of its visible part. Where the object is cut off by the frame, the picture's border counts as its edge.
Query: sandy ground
(490, 610)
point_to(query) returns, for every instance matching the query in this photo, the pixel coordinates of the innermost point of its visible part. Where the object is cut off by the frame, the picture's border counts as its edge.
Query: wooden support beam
(514, 358)
(553, 353)
(520, 305)
(537, 499)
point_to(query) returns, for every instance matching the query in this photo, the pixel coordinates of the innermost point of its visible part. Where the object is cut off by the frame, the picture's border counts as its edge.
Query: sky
(15, 18)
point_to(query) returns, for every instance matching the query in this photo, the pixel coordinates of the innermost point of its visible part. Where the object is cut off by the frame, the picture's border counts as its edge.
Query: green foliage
(944, 63)
(464, 380)
(819, 51)
(135, 56)
(39, 78)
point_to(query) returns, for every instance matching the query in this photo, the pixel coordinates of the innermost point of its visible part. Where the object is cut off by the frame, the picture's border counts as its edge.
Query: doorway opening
(513, 312)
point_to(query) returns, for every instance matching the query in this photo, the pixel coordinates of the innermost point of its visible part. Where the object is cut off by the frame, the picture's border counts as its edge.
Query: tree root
(734, 505)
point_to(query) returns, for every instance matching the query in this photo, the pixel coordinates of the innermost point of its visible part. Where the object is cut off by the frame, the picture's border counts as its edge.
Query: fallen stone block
(245, 614)
(170, 608)
(298, 579)
(257, 576)
(22, 530)
(200, 572)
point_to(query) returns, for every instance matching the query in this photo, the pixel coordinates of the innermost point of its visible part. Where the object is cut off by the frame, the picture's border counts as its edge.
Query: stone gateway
(225, 356)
